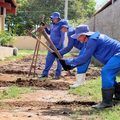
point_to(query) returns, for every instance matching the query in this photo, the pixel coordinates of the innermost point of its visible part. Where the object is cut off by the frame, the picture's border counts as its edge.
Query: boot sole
(102, 107)
(116, 102)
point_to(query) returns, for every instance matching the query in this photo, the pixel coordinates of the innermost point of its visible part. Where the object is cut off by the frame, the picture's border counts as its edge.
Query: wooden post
(51, 44)
(2, 22)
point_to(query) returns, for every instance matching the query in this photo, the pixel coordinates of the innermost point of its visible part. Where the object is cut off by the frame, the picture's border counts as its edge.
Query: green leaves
(30, 12)
(5, 38)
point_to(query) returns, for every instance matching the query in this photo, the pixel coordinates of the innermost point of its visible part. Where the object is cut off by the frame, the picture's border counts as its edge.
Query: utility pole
(112, 1)
(66, 10)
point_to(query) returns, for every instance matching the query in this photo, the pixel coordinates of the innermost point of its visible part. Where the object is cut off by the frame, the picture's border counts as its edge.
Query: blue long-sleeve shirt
(71, 42)
(101, 47)
(56, 35)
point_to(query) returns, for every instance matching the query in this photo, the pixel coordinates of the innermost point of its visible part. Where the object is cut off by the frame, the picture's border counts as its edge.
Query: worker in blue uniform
(107, 51)
(80, 76)
(57, 38)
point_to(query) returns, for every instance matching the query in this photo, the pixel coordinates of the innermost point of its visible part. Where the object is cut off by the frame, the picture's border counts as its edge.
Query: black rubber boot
(42, 77)
(107, 96)
(117, 92)
(56, 77)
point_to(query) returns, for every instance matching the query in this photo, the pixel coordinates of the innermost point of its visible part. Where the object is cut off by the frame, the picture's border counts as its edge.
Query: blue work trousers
(49, 62)
(109, 72)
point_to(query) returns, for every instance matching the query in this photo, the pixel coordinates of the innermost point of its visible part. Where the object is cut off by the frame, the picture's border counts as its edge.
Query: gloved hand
(55, 54)
(65, 66)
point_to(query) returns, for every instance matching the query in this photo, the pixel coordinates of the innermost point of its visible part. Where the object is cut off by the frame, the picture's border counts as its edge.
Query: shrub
(5, 38)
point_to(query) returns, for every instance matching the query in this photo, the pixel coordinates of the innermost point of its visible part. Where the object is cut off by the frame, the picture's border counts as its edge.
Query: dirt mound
(21, 67)
(17, 67)
(75, 103)
(47, 105)
(92, 73)
(9, 71)
(49, 85)
(38, 104)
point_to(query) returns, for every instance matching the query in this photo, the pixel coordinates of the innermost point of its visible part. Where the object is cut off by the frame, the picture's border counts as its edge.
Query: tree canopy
(30, 13)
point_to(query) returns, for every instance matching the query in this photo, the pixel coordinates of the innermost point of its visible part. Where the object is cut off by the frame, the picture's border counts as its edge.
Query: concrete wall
(6, 52)
(27, 42)
(107, 21)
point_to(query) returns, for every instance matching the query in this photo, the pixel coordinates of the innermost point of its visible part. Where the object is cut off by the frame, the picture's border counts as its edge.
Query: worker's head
(82, 33)
(55, 17)
(64, 28)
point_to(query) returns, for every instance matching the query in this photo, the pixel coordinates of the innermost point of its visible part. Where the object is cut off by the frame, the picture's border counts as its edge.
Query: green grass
(14, 92)
(91, 89)
(92, 92)
(23, 53)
